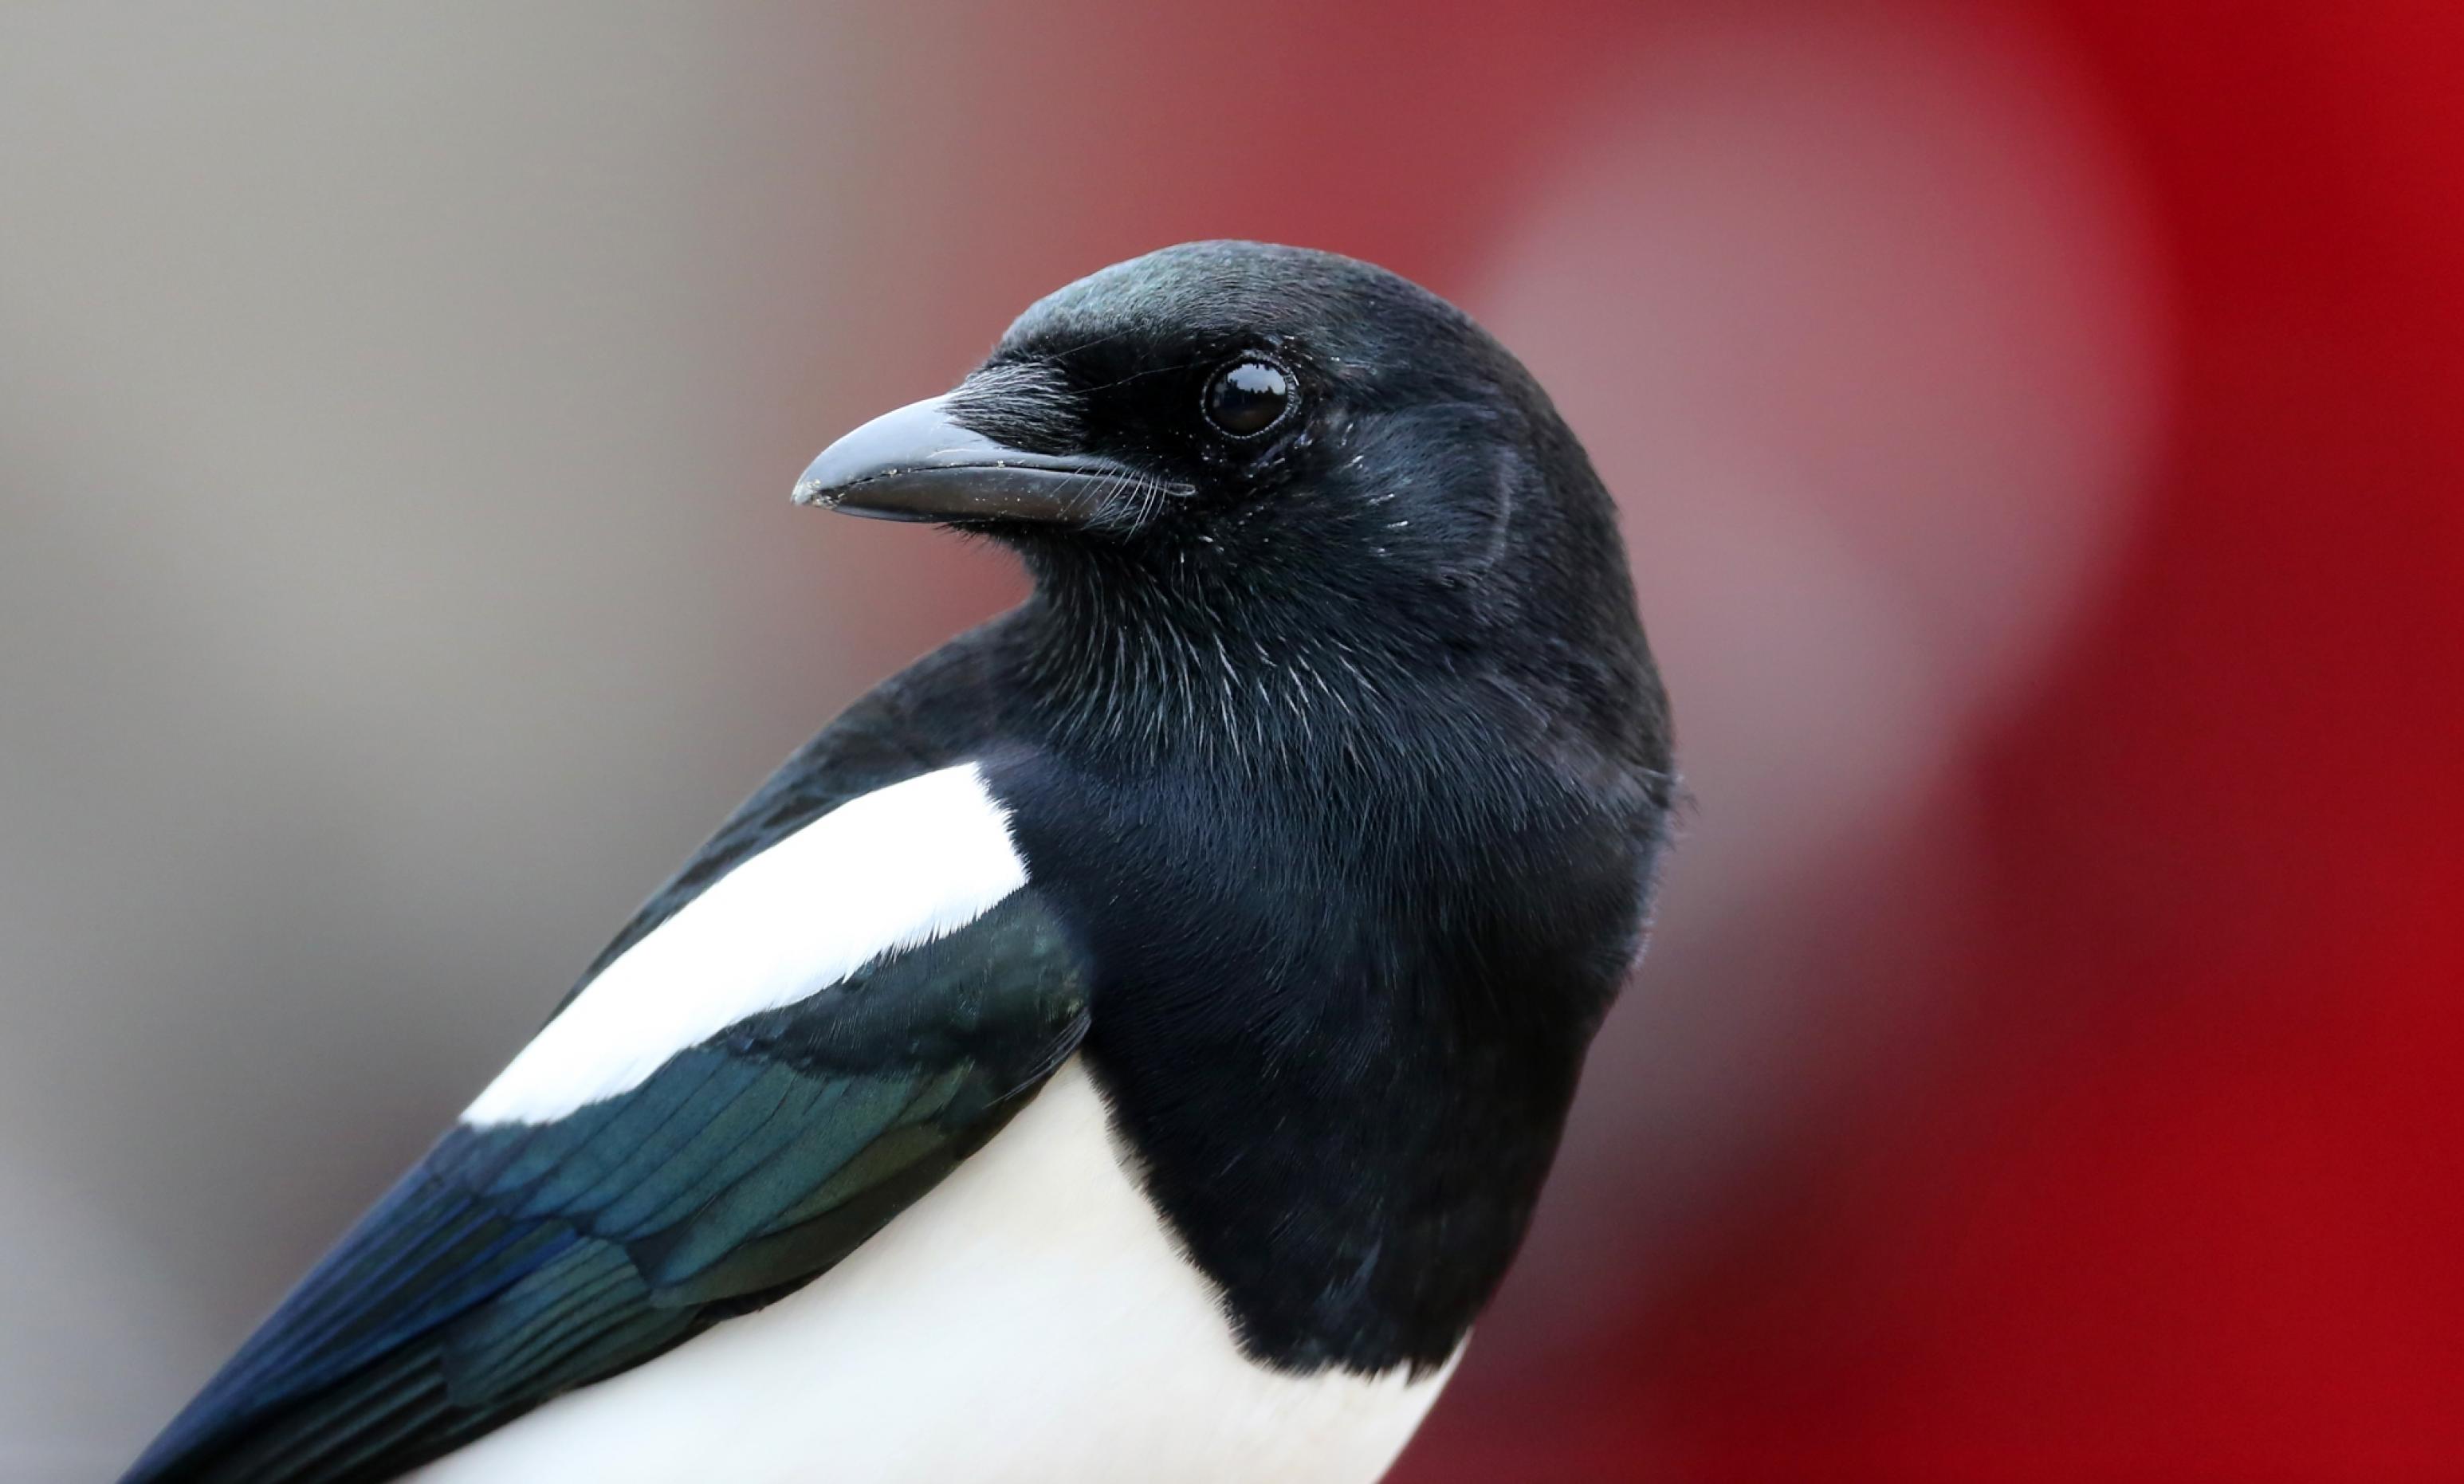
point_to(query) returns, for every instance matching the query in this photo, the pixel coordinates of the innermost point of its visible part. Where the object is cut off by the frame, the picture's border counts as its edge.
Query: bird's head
(1259, 452)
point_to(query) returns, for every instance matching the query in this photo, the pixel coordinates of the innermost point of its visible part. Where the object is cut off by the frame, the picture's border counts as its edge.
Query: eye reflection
(1248, 397)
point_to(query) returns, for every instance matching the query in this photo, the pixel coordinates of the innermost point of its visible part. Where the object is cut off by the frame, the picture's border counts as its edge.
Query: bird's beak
(915, 464)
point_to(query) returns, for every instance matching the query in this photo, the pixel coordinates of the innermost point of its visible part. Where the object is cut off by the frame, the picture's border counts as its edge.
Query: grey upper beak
(915, 464)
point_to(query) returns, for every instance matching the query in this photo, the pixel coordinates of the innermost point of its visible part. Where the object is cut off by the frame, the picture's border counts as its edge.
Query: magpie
(1129, 1042)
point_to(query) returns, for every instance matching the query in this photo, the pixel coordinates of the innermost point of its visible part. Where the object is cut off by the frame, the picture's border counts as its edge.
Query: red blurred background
(2040, 429)
(2171, 1189)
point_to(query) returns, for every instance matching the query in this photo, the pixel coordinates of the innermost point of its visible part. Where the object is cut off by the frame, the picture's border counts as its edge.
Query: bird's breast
(1031, 1318)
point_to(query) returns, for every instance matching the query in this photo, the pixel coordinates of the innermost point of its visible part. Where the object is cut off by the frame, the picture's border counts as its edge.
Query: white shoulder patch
(881, 873)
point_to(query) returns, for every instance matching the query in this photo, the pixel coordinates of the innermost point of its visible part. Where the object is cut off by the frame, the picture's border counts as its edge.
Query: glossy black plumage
(1341, 772)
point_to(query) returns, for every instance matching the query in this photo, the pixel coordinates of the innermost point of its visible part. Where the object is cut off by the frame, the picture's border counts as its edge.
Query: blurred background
(2040, 433)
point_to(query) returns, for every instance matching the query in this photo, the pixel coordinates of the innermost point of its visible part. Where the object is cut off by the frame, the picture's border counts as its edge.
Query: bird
(1128, 1043)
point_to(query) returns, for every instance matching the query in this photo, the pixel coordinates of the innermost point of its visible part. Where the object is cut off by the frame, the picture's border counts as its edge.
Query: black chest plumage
(1346, 978)
(1343, 1063)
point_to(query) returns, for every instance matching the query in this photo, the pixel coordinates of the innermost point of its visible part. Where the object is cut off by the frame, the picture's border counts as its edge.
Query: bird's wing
(765, 1074)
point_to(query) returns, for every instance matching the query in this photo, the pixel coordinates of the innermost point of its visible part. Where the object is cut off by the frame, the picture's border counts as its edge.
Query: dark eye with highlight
(1248, 397)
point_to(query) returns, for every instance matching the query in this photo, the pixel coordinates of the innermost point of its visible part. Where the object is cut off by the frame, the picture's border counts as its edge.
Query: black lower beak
(915, 464)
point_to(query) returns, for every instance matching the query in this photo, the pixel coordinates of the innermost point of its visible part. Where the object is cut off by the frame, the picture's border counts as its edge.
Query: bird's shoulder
(851, 988)
(943, 707)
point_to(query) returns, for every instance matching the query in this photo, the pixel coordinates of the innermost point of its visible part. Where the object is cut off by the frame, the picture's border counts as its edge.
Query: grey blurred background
(397, 411)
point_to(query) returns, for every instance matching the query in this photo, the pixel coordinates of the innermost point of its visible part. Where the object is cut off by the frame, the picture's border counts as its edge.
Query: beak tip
(915, 464)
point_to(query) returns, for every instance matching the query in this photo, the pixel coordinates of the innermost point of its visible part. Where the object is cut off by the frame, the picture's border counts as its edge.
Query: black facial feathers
(1421, 508)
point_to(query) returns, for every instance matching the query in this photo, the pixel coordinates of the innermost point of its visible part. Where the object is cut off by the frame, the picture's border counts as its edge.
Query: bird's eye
(1248, 397)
